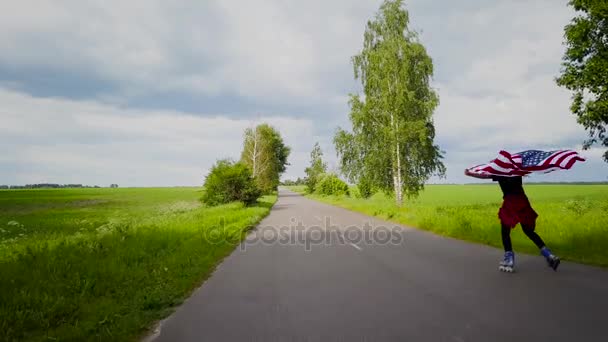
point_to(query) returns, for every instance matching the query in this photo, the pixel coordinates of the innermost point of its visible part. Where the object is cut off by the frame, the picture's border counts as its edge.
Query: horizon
(93, 186)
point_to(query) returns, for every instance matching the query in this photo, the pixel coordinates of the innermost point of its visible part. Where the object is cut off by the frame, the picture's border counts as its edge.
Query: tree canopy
(316, 169)
(391, 146)
(585, 68)
(266, 155)
(228, 182)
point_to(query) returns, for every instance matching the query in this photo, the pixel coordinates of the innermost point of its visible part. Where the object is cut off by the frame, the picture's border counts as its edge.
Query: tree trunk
(255, 150)
(399, 190)
(397, 182)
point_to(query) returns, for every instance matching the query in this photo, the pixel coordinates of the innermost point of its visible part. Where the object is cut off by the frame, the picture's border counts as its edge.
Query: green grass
(573, 219)
(105, 264)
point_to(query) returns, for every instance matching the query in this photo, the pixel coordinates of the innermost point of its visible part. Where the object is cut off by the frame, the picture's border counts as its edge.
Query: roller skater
(507, 169)
(516, 209)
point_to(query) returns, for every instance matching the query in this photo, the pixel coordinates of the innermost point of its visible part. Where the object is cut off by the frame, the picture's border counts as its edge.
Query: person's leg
(507, 221)
(508, 261)
(532, 235)
(552, 260)
(506, 238)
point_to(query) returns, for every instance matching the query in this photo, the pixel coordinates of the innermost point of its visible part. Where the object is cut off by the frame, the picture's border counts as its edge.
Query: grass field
(104, 264)
(573, 219)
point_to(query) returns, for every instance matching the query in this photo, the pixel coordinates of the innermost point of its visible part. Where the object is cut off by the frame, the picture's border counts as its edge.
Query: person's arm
(470, 174)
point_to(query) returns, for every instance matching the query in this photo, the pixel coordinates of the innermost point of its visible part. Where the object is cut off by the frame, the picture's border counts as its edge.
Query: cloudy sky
(151, 93)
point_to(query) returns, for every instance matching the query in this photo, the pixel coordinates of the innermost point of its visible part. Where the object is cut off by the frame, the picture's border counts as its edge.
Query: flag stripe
(566, 161)
(551, 157)
(563, 157)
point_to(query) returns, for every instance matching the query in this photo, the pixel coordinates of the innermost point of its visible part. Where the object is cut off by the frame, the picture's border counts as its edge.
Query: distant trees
(47, 186)
(265, 153)
(298, 181)
(585, 69)
(316, 169)
(391, 146)
(114, 186)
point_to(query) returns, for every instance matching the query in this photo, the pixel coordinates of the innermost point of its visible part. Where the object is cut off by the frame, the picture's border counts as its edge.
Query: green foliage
(365, 188)
(391, 144)
(330, 185)
(229, 182)
(266, 155)
(585, 68)
(316, 169)
(106, 264)
(573, 219)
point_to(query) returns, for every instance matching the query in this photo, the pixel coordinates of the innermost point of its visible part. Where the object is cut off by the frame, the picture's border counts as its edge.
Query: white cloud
(504, 95)
(535, 114)
(269, 50)
(63, 141)
(494, 61)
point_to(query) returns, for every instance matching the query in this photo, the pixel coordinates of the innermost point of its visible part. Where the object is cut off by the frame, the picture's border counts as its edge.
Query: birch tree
(391, 146)
(266, 155)
(316, 169)
(254, 151)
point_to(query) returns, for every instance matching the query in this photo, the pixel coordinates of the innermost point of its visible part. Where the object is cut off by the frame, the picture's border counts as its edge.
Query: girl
(516, 209)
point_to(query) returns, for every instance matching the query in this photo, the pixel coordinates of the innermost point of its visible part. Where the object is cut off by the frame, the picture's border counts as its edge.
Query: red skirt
(517, 209)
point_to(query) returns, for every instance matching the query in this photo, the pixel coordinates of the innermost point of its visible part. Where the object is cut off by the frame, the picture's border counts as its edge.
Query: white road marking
(357, 247)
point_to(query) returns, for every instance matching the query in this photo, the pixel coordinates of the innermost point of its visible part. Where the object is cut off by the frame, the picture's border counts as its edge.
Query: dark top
(509, 185)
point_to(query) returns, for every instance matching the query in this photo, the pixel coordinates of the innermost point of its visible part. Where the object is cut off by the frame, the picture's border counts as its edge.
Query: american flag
(527, 162)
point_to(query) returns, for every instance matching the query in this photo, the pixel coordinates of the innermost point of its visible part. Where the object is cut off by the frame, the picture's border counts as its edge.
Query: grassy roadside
(573, 218)
(104, 264)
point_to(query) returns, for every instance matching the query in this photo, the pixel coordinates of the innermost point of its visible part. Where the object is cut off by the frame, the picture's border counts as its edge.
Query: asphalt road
(321, 281)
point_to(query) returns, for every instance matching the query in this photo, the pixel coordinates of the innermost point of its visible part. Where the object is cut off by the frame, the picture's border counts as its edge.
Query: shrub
(311, 182)
(230, 182)
(330, 184)
(365, 188)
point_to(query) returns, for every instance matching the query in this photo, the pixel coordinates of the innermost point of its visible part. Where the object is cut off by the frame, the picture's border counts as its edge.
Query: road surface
(335, 286)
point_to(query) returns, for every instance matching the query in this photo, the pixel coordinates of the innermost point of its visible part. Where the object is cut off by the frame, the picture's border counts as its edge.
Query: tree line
(48, 186)
(390, 145)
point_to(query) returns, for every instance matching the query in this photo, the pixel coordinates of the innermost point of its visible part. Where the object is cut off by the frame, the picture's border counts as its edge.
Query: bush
(230, 182)
(311, 183)
(365, 188)
(330, 184)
